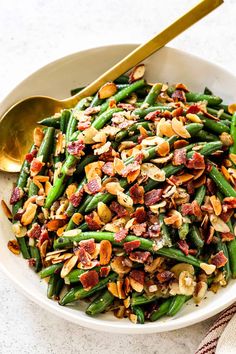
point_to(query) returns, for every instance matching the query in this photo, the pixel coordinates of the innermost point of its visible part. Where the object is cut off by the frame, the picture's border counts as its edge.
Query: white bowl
(56, 79)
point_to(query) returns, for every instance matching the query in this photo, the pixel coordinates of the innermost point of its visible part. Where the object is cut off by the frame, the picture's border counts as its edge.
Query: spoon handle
(145, 50)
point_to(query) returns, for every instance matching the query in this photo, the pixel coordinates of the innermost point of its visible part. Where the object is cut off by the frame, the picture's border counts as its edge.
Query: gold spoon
(17, 124)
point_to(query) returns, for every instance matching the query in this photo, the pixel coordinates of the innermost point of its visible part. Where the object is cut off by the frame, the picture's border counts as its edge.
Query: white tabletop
(35, 32)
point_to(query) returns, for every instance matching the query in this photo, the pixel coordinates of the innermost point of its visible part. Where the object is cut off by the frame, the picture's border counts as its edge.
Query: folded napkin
(221, 337)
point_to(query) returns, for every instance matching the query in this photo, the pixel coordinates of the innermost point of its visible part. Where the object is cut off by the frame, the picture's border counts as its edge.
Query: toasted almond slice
(137, 73)
(61, 258)
(88, 135)
(132, 99)
(107, 90)
(100, 137)
(53, 225)
(41, 179)
(181, 86)
(71, 189)
(133, 318)
(124, 200)
(232, 108)
(199, 182)
(53, 253)
(13, 246)
(215, 202)
(208, 268)
(184, 178)
(68, 266)
(136, 285)
(60, 144)
(39, 185)
(186, 283)
(163, 149)
(127, 302)
(121, 293)
(6, 210)
(226, 139)
(179, 128)
(104, 148)
(200, 292)
(43, 249)
(93, 169)
(152, 141)
(218, 224)
(165, 128)
(193, 118)
(112, 287)
(161, 160)
(77, 218)
(38, 136)
(118, 266)
(105, 252)
(153, 172)
(226, 173)
(29, 214)
(19, 230)
(233, 158)
(61, 230)
(70, 233)
(104, 212)
(174, 218)
(182, 267)
(118, 165)
(114, 188)
(197, 173)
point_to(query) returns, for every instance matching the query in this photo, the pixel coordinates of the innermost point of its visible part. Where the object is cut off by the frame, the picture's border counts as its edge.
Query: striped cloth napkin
(221, 337)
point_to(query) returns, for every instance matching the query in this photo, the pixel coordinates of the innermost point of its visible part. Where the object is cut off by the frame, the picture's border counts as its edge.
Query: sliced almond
(43, 249)
(179, 128)
(13, 246)
(105, 252)
(104, 212)
(161, 160)
(77, 218)
(233, 158)
(124, 200)
(208, 268)
(186, 177)
(127, 302)
(118, 266)
(216, 204)
(61, 230)
(38, 136)
(107, 90)
(60, 144)
(226, 139)
(133, 318)
(6, 210)
(164, 128)
(114, 188)
(71, 189)
(175, 219)
(100, 137)
(19, 230)
(232, 108)
(186, 283)
(137, 73)
(226, 173)
(93, 169)
(87, 135)
(136, 285)
(121, 293)
(193, 118)
(153, 172)
(104, 148)
(118, 165)
(182, 267)
(39, 185)
(163, 149)
(29, 214)
(200, 292)
(218, 224)
(68, 266)
(112, 288)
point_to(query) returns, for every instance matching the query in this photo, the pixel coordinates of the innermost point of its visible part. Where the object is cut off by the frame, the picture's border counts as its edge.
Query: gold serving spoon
(17, 124)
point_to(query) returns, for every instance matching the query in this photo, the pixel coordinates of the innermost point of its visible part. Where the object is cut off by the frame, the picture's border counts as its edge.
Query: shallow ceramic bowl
(56, 79)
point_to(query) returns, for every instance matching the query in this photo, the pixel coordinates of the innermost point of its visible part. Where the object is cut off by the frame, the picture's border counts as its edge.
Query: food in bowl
(128, 199)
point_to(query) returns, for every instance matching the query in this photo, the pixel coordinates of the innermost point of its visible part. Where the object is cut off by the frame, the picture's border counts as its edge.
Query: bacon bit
(178, 95)
(93, 186)
(89, 279)
(152, 115)
(229, 202)
(104, 271)
(88, 245)
(120, 235)
(93, 221)
(83, 256)
(154, 230)
(196, 162)
(226, 215)
(130, 246)
(138, 275)
(211, 187)
(36, 166)
(152, 197)
(139, 229)
(183, 246)
(137, 194)
(165, 276)
(44, 236)
(16, 195)
(108, 169)
(179, 157)
(118, 209)
(132, 167)
(76, 198)
(196, 209)
(137, 73)
(6, 210)
(35, 231)
(126, 106)
(227, 236)
(105, 252)
(30, 156)
(139, 158)
(140, 215)
(13, 246)
(83, 125)
(31, 262)
(219, 259)
(194, 109)
(76, 148)
(209, 236)
(139, 256)
(177, 112)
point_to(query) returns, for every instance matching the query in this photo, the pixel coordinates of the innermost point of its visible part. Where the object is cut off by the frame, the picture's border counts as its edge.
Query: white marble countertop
(34, 33)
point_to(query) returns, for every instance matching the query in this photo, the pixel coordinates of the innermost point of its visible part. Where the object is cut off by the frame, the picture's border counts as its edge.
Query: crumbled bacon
(139, 229)
(120, 235)
(191, 209)
(152, 115)
(93, 186)
(138, 275)
(194, 109)
(83, 125)
(83, 256)
(19, 214)
(32, 262)
(178, 95)
(139, 256)
(43, 237)
(36, 166)
(230, 202)
(219, 259)
(184, 247)
(76, 148)
(196, 162)
(118, 209)
(29, 157)
(126, 106)
(153, 196)
(190, 188)
(108, 169)
(35, 231)
(227, 236)
(16, 195)
(154, 230)
(104, 271)
(179, 157)
(132, 167)
(226, 215)
(88, 245)
(137, 194)
(109, 155)
(140, 215)
(211, 187)
(89, 279)
(131, 245)
(92, 110)
(92, 223)
(75, 199)
(139, 158)
(165, 276)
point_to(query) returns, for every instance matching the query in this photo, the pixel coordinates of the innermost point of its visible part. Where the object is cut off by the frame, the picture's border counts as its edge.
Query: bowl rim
(94, 323)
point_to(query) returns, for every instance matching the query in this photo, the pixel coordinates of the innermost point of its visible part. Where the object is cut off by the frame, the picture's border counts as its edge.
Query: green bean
(231, 246)
(143, 299)
(138, 311)
(196, 97)
(121, 135)
(123, 79)
(203, 135)
(55, 286)
(221, 246)
(73, 276)
(165, 231)
(79, 292)
(35, 254)
(183, 231)
(145, 244)
(84, 162)
(100, 304)
(150, 99)
(222, 183)
(200, 194)
(53, 122)
(142, 112)
(65, 116)
(176, 304)
(232, 148)
(207, 91)
(52, 269)
(161, 310)
(196, 238)
(220, 115)
(225, 107)
(215, 126)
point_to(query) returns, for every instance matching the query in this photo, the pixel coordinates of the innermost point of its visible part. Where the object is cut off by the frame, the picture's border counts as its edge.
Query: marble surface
(35, 32)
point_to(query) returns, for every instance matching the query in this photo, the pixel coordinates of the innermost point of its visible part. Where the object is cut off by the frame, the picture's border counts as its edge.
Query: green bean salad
(128, 199)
